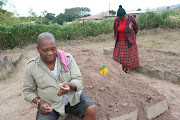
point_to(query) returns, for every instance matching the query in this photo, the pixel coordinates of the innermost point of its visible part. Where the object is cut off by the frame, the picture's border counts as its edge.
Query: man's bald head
(45, 36)
(47, 47)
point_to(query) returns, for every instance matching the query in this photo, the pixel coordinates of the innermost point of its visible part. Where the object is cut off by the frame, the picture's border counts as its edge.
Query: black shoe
(125, 70)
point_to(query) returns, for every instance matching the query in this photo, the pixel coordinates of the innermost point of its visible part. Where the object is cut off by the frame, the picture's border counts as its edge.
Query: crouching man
(53, 82)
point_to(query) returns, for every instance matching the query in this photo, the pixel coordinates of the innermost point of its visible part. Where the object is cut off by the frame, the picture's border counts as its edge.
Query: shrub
(22, 34)
(151, 20)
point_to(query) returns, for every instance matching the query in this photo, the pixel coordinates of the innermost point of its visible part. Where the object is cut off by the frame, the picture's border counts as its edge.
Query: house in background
(136, 13)
(107, 15)
(97, 17)
(94, 17)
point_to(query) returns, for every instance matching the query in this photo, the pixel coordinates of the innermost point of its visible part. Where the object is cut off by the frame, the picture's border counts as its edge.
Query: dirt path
(13, 107)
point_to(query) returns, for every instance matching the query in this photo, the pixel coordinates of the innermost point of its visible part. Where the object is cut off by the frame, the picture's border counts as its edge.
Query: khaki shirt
(40, 82)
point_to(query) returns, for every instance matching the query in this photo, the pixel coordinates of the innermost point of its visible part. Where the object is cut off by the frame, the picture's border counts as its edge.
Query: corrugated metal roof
(94, 17)
(97, 16)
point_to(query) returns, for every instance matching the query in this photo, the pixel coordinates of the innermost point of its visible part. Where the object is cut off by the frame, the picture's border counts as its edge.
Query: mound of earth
(115, 93)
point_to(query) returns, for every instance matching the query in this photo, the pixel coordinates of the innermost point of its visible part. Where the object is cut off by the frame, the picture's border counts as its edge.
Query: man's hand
(64, 88)
(45, 108)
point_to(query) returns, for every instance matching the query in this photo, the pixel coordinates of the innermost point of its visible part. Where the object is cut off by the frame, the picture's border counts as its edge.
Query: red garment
(121, 30)
(130, 30)
(127, 57)
(126, 52)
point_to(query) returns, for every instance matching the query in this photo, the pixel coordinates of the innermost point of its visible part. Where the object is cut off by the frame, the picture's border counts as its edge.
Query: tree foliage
(61, 18)
(2, 3)
(5, 16)
(32, 13)
(50, 16)
(44, 13)
(112, 12)
(139, 9)
(78, 12)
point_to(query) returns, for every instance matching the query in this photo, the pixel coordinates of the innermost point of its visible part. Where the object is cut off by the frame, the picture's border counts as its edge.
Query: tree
(5, 16)
(2, 3)
(32, 14)
(50, 16)
(78, 11)
(112, 12)
(139, 9)
(84, 12)
(44, 13)
(61, 18)
(2, 11)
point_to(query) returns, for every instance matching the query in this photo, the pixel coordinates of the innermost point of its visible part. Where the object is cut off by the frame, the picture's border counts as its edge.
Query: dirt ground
(116, 92)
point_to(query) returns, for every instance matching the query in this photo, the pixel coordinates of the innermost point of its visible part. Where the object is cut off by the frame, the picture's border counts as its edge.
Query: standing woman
(125, 50)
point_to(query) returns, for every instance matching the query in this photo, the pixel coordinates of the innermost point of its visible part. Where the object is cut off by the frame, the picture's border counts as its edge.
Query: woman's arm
(135, 25)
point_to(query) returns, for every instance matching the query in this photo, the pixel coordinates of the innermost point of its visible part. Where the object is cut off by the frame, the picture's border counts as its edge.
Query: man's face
(47, 50)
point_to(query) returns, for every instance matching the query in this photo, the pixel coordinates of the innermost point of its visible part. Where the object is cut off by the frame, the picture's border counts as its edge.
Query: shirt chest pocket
(43, 80)
(65, 76)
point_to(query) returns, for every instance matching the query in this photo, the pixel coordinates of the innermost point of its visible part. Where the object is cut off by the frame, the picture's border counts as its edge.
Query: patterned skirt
(127, 57)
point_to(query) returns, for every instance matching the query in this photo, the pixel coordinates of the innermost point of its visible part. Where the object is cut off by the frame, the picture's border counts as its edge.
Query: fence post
(84, 29)
(146, 21)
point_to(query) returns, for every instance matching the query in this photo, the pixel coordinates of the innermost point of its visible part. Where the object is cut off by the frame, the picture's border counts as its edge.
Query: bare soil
(115, 93)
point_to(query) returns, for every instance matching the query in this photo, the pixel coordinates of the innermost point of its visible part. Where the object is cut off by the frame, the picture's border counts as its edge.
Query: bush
(6, 40)
(155, 20)
(23, 34)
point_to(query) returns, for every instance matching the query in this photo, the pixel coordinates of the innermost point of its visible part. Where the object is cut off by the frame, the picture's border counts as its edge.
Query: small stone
(116, 110)
(110, 106)
(102, 88)
(19, 94)
(125, 104)
(149, 99)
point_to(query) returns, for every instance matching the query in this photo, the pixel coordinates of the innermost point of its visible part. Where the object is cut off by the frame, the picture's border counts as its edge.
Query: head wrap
(121, 11)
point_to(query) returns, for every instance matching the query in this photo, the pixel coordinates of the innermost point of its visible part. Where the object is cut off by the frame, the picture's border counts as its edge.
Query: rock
(155, 110)
(6, 67)
(172, 76)
(8, 64)
(102, 88)
(108, 51)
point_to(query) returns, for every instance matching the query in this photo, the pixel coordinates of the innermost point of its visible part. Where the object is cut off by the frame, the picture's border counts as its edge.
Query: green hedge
(151, 20)
(19, 35)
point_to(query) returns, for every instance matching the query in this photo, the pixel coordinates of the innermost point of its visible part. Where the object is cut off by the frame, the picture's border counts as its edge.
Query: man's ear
(37, 48)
